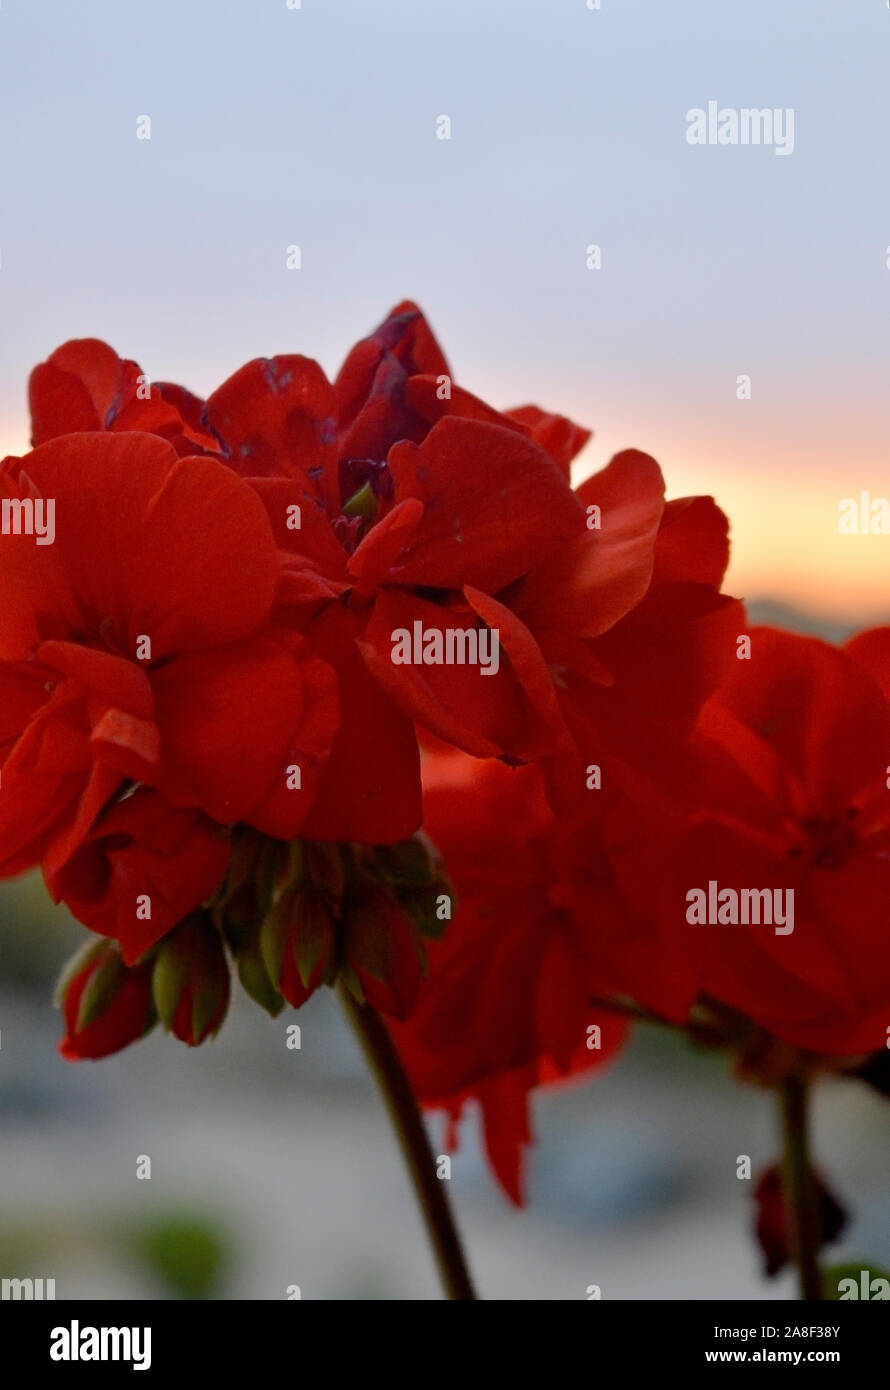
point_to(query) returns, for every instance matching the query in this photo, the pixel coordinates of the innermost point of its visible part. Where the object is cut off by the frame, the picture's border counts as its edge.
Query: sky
(317, 126)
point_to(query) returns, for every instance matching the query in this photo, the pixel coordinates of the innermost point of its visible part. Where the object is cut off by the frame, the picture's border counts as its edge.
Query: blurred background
(315, 126)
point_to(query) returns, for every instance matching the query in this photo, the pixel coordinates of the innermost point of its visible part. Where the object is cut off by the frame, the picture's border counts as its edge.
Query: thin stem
(801, 1199)
(404, 1112)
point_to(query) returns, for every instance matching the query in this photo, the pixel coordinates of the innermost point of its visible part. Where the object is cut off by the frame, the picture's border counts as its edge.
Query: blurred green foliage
(36, 937)
(187, 1254)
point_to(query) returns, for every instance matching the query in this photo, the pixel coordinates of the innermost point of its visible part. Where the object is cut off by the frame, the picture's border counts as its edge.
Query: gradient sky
(317, 126)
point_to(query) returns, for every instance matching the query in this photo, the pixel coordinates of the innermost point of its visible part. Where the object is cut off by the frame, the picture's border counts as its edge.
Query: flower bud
(383, 951)
(773, 1225)
(106, 1004)
(190, 980)
(298, 943)
(253, 974)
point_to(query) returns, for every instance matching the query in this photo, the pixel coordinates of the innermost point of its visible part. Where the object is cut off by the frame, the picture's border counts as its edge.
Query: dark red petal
(406, 338)
(369, 791)
(233, 720)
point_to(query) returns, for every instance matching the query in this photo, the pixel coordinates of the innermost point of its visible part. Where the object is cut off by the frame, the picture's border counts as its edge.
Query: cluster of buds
(183, 982)
(292, 916)
(304, 914)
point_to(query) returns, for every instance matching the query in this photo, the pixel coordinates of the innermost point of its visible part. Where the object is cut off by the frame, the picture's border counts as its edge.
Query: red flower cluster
(255, 643)
(557, 866)
(747, 901)
(251, 607)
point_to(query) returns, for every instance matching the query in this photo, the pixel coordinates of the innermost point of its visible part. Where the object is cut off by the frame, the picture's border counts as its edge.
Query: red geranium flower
(542, 934)
(402, 504)
(138, 648)
(793, 807)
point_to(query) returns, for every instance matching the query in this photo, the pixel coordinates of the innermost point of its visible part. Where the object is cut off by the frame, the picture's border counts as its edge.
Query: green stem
(801, 1199)
(407, 1120)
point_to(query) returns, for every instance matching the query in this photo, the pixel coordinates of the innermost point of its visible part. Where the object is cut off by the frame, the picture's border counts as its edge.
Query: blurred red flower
(515, 987)
(793, 799)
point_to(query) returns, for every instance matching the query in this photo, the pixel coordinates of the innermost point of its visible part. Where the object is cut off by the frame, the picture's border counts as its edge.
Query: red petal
(423, 395)
(404, 340)
(370, 789)
(597, 578)
(277, 418)
(871, 649)
(692, 544)
(561, 437)
(486, 715)
(820, 712)
(378, 553)
(233, 721)
(179, 550)
(141, 847)
(494, 505)
(76, 389)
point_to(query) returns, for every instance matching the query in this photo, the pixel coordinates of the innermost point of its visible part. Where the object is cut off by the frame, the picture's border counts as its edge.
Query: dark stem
(801, 1199)
(404, 1111)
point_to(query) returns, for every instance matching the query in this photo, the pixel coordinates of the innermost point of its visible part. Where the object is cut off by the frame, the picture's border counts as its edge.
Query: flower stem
(404, 1112)
(801, 1201)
